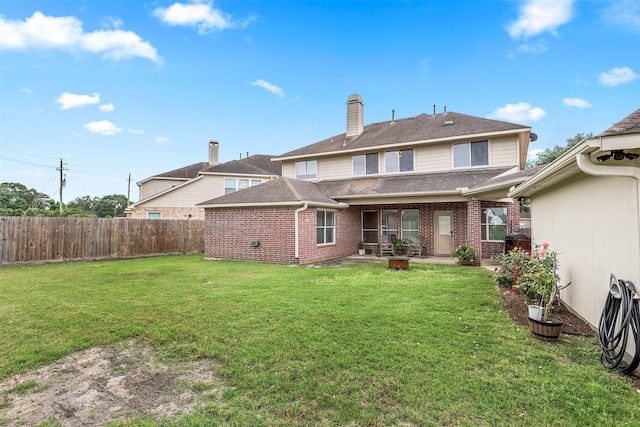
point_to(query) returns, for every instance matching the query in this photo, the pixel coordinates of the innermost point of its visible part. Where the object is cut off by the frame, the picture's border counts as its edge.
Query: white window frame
(324, 227)
(153, 214)
(393, 158)
(487, 225)
(250, 182)
(469, 154)
(366, 157)
(306, 165)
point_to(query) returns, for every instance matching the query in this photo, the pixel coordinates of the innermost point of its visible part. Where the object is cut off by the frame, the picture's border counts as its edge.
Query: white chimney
(355, 113)
(213, 152)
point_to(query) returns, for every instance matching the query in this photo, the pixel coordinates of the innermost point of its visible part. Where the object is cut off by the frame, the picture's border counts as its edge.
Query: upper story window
(398, 161)
(307, 169)
(231, 185)
(365, 164)
(471, 154)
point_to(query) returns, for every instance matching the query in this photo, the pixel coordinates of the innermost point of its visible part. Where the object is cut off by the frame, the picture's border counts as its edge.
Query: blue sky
(140, 87)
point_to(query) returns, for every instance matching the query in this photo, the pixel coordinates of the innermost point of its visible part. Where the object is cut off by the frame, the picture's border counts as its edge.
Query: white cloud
(534, 49)
(268, 86)
(26, 90)
(540, 16)
(135, 131)
(520, 112)
(69, 100)
(576, 102)
(103, 127)
(623, 13)
(161, 140)
(200, 14)
(617, 76)
(106, 107)
(66, 33)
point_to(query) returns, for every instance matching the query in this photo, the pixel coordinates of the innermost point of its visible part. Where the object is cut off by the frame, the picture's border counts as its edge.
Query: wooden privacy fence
(36, 239)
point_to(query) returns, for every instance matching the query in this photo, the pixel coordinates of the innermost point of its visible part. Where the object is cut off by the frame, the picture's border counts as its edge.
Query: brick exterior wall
(229, 231)
(167, 213)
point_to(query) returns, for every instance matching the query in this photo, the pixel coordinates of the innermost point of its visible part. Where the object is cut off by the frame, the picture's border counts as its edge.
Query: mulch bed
(516, 305)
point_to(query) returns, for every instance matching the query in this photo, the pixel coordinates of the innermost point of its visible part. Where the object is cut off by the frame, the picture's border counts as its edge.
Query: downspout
(297, 232)
(584, 163)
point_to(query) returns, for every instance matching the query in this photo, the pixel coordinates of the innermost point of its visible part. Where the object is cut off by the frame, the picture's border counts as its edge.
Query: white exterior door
(443, 232)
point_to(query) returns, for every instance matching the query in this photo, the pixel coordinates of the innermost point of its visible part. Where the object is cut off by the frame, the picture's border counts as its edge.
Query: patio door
(443, 232)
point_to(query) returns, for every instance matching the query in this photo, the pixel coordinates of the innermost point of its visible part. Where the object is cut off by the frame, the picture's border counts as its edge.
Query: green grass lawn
(358, 345)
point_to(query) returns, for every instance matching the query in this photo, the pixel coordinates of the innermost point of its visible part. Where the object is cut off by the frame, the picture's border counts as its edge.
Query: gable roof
(185, 172)
(630, 124)
(258, 164)
(422, 128)
(282, 191)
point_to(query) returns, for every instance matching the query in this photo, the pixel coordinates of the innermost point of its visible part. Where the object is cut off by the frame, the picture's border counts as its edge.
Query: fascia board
(161, 178)
(339, 205)
(568, 159)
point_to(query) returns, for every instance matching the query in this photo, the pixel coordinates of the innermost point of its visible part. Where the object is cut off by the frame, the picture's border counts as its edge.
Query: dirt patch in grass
(97, 385)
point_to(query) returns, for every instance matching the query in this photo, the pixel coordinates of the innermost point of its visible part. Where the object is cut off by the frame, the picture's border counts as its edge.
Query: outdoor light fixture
(617, 155)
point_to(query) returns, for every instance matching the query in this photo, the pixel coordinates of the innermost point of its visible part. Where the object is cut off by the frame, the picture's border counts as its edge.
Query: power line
(29, 154)
(11, 159)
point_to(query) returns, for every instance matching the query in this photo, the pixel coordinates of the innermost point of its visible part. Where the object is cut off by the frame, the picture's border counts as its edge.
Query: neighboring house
(175, 194)
(586, 205)
(440, 179)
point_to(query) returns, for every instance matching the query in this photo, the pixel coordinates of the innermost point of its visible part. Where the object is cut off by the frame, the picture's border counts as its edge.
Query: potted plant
(361, 248)
(465, 255)
(534, 274)
(400, 246)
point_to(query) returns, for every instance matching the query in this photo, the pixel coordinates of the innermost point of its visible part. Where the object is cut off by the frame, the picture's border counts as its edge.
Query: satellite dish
(533, 137)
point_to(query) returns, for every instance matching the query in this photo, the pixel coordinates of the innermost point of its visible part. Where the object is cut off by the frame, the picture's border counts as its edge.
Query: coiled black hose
(620, 319)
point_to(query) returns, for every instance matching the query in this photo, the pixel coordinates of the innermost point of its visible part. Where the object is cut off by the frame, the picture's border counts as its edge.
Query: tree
(18, 200)
(550, 154)
(110, 206)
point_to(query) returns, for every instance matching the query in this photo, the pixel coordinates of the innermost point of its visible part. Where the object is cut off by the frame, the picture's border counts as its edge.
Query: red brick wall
(229, 231)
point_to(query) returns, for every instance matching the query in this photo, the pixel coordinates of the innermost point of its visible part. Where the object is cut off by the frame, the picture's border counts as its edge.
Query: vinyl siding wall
(156, 186)
(503, 151)
(593, 224)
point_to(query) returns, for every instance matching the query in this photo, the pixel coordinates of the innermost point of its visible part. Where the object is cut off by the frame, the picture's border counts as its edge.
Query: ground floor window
(326, 227)
(154, 215)
(369, 226)
(494, 224)
(409, 223)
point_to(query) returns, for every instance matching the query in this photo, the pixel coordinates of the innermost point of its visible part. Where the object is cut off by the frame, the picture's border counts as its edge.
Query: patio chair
(417, 248)
(385, 247)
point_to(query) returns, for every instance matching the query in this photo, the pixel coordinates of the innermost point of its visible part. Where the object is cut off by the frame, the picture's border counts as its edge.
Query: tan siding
(289, 169)
(434, 158)
(335, 167)
(194, 192)
(585, 221)
(155, 186)
(503, 151)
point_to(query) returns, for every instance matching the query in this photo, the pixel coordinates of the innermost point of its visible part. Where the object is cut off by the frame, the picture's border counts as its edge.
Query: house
(586, 205)
(441, 180)
(175, 194)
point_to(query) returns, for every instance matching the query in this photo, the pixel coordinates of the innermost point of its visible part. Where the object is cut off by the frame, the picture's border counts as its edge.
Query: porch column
(474, 230)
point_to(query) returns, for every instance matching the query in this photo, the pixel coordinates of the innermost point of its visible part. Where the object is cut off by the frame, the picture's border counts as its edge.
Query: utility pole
(63, 180)
(129, 189)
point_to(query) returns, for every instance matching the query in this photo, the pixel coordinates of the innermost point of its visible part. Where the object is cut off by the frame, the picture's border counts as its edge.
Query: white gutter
(586, 166)
(297, 244)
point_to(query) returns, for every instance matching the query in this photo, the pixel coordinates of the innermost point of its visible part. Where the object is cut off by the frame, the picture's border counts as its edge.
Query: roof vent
(448, 123)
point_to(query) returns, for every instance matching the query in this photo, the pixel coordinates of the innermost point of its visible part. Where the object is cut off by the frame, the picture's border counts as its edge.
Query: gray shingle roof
(630, 124)
(278, 191)
(186, 172)
(258, 164)
(419, 128)
(411, 183)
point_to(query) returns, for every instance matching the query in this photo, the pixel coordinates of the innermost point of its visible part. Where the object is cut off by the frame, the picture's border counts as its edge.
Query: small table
(399, 263)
